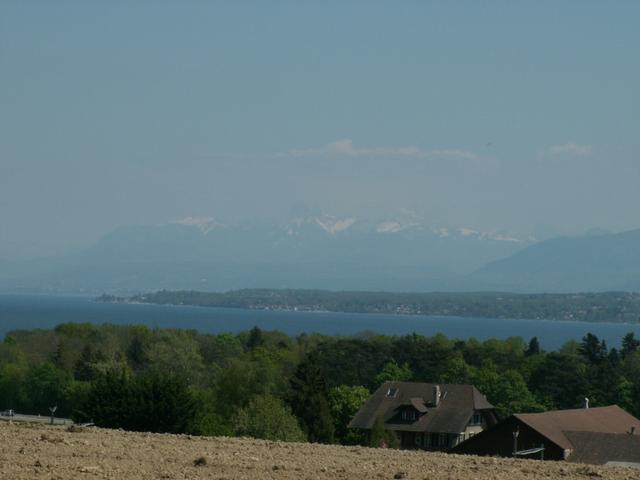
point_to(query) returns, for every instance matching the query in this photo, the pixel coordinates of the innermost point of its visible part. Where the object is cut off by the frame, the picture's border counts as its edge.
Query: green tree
(629, 344)
(86, 366)
(209, 419)
(47, 386)
(344, 402)
(267, 417)
(154, 402)
(533, 348)
(380, 437)
(394, 372)
(507, 390)
(457, 371)
(255, 339)
(12, 386)
(309, 402)
(220, 349)
(176, 352)
(560, 381)
(111, 401)
(163, 403)
(592, 349)
(258, 372)
(136, 352)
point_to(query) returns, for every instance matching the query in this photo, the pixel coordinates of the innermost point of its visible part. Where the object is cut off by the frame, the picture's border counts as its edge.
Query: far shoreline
(124, 301)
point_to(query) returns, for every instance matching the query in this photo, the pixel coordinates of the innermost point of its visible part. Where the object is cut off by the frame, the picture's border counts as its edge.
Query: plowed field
(39, 452)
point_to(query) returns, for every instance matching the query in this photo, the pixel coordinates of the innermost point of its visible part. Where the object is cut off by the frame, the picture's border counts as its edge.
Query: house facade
(427, 416)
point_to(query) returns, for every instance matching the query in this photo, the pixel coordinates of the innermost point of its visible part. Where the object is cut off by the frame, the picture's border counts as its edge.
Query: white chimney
(436, 395)
(586, 402)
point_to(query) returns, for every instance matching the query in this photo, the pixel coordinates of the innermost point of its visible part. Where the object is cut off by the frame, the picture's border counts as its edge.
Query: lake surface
(28, 312)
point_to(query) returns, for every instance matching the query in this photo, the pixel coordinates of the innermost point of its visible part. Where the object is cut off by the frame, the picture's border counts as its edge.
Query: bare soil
(42, 452)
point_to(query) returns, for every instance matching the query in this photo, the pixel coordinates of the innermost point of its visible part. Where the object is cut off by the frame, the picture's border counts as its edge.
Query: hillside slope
(37, 452)
(569, 264)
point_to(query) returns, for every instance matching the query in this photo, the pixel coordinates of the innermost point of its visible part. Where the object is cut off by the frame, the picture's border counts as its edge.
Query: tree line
(273, 386)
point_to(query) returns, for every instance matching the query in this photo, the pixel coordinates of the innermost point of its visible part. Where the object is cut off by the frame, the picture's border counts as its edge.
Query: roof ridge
(518, 415)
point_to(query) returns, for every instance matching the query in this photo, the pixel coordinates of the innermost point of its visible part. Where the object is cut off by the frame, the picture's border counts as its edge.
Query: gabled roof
(418, 404)
(554, 424)
(456, 406)
(601, 448)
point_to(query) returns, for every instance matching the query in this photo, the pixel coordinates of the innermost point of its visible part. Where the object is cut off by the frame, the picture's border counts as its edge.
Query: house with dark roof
(587, 435)
(426, 415)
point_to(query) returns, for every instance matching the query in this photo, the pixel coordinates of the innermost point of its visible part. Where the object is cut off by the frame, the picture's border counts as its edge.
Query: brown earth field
(43, 452)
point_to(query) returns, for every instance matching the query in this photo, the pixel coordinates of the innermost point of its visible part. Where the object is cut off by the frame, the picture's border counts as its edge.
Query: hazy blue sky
(518, 116)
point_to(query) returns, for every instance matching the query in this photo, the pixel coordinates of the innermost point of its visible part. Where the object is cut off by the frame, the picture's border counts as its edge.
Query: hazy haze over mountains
(333, 253)
(402, 242)
(305, 252)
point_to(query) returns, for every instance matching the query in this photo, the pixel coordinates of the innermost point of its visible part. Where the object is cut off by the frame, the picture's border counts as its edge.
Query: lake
(28, 312)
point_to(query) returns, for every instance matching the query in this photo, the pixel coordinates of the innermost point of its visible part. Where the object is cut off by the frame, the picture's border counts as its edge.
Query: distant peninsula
(616, 307)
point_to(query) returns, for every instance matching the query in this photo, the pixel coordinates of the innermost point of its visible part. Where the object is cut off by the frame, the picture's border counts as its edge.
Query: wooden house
(425, 415)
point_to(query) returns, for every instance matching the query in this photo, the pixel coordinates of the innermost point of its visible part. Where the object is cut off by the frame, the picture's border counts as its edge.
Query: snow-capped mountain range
(306, 251)
(333, 225)
(325, 239)
(330, 252)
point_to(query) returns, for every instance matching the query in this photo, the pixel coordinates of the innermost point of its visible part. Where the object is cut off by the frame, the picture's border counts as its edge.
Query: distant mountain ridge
(318, 251)
(314, 239)
(332, 253)
(606, 261)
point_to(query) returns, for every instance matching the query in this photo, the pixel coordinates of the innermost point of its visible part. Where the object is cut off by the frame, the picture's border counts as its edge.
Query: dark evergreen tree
(614, 358)
(534, 347)
(256, 338)
(559, 381)
(592, 349)
(136, 354)
(308, 399)
(163, 403)
(85, 368)
(606, 382)
(111, 400)
(629, 344)
(155, 402)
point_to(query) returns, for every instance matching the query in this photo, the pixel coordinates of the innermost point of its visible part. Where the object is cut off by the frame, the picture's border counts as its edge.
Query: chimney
(436, 395)
(586, 402)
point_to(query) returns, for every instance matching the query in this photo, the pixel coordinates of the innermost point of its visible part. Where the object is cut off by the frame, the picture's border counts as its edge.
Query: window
(408, 415)
(392, 392)
(476, 419)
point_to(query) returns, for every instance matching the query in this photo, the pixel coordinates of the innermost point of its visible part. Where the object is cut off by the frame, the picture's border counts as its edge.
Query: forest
(590, 307)
(266, 384)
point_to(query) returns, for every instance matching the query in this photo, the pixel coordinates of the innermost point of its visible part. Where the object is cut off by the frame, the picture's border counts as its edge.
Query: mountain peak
(334, 225)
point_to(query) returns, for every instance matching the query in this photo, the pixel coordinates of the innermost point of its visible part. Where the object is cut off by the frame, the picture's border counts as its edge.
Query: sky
(510, 116)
